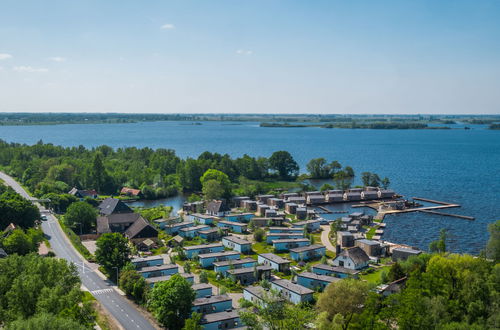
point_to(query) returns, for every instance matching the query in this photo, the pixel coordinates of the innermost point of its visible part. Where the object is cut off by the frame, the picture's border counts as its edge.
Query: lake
(457, 165)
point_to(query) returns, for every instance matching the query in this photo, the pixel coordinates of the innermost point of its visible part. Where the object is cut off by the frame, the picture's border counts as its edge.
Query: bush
(259, 235)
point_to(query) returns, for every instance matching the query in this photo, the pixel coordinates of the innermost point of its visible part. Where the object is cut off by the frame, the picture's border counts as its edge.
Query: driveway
(325, 240)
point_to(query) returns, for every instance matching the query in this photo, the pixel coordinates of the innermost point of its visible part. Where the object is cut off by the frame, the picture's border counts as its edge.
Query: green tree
(112, 252)
(171, 301)
(212, 190)
(283, 163)
(439, 246)
(385, 182)
(193, 323)
(493, 246)
(81, 214)
(134, 285)
(259, 235)
(18, 242)
(396, 272)
(216, 184)
(318, 168)
(203, 277)
(17, 210)
(46, 322)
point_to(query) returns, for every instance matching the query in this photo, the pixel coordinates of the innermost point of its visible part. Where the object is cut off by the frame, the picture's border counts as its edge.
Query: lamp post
(116, 275)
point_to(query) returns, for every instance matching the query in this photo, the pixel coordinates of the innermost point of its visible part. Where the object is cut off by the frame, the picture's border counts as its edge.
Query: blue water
(460, 166)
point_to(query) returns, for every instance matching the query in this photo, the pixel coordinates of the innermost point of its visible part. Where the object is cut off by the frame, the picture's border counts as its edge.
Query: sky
(259, 56)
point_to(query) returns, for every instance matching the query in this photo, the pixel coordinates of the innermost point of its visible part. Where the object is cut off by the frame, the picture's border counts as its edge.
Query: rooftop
(157, 267)
(218, 254)
(248, 270)
(233, 223)
(324, 278)
(288, 285)
(236, 240)
(307, 248)
(200, 286)
(274, 258)
(211, 300)
(234, 262)
(166, 278)
(290, 240)
(151, 258)
(336, 269)
(368, 242)
(202, 246)
(194, 228)
(221, 316)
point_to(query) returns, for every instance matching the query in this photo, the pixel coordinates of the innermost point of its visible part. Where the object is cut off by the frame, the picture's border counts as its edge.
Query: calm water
(460, 166)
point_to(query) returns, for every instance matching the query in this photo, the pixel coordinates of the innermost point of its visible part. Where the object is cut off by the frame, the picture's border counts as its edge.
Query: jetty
(448, 214)
(324, 210)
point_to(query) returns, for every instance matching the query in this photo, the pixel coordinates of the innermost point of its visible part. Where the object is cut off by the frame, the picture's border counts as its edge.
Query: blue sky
(264, 56)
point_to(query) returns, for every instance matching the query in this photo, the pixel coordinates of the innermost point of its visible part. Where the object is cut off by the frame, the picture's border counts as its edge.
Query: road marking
(98, 292)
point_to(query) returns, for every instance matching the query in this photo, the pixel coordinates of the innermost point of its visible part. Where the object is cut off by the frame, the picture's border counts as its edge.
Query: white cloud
(168, 27)
(244, 52)
(57, 59)
(4, 56)
(29, 69)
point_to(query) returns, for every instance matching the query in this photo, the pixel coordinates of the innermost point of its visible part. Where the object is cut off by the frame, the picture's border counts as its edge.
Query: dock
(449, 215)
(430, 201)
(324, 209)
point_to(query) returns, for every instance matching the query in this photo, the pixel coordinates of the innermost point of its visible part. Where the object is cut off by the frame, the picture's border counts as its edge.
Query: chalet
(223, 266)
(191, 232)
(271, 213)
(255, 294)
(81, 194)
(334, 197)
(261, 209)
(211, 234)
(386, 193)
(239, 217)
(195, 250)
(291, 208)
(229, 319)
(345, 239)
(237, 244)
(313, 193)
(305, 253)
(116, 222)
(283, 245)
(164, 223)
(202, 290)
(208, 259)
(285, 196)
(292, 292)
(212, 304)
(371, 248)
(369, 195)
(237, 227)
(146, 245)
(147, 261)
(297, 230)
(276, 202)
(248, 276)
(140, 230)
(263, 222)
(130, 192)
(263, 198)
(334, 191)
(194, 207)
(203, 219)
(158, 270)
(404, 253)
(315, 199)
(237, 201)
(296, 200)
(276, 262)
(352, 258)
(275, 236)
(249, 205)
(151, 281)
(173, 229)
(113, 206)
(339, 272)
(314, 281)
(301, 213)
(310, 225)
(358, 190)
(217, 208)
(352, 196)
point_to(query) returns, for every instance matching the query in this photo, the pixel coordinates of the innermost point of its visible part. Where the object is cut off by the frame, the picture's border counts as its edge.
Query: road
(325, 239)
(122, 310)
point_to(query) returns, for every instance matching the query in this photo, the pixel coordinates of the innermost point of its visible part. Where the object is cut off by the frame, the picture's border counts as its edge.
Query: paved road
(125, 313)
(325, 239)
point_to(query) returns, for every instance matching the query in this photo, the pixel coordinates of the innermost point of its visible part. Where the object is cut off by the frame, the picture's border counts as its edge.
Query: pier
(430, 201)
(449, 214)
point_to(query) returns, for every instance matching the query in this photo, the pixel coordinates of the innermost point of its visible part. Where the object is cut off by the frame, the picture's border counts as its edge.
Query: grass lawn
(224, 282)
(374, 278)
(194, 241)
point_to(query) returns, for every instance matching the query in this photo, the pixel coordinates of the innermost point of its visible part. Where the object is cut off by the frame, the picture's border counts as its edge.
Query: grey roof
(299, 289)
(185, 229)
(357, 214)
(234, 223)
(217, 206)
(290, 240)
(367, 242)
(236, 240)
(200, 286)
(218, 254)
(104, 222)
(166, 278)
(274, 258)
(286, 229)
(307, 248)
(208, 231)
(357, 255)
(244, 270)
(151, 258)
(113, 205)
(203, 216)
(234, 262)
(157, 267)
(210, 300)
(256, 290)
(291, 204)
(221, 316)
(202, 246)
(313, 276)
(139, 225)
(407, 250)
(336, 269)
(286, 234)
(180, 224)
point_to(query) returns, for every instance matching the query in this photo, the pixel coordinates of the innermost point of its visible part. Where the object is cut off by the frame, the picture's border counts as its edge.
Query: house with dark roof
(140, 230)
(386, 193)
(113, 206)
(353, 258)
(208, 259)
(352, 196)
(158, 270)
(211, 234)
(296, 200)
(195, 250)
(82, 193)
(369, 194)
(392, 288)
(237, 227)
(116, 222)
(223, 266)
(310, 252)
(263, 222)
(289, 235)
(283, 245)
(218, 208)
(248, 276)
(276, 262)
(191, 232)
(288, 230)
(212, 304)
(310, 225)
(340, 272)
(372, 248)
(334, 197)
(204, 219)
(263, 198)
(315, 199)
(249, 205)
(292, 292)
(166, 222)
(228, 319)
(237, 244)
(404, 253)
(147, 261)
(151, 281)
(301, 213)
(314, 281)
(173, 229)
(202, 290)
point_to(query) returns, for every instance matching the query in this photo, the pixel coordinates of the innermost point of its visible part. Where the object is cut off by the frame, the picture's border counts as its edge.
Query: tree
(318, 168)
(345, 297)
(18, 242)
(216, 184)
(81, 213)
(193, 323)
(112, 252)
(171, 301)
(98, 173)
(439, 246)
(203, 277)
(134, 285)
(385, 182)
(45, 321)
(396, 272)
(326, 187)
(259, 235)
(283, 163)
(493, 246)
(17, 210)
